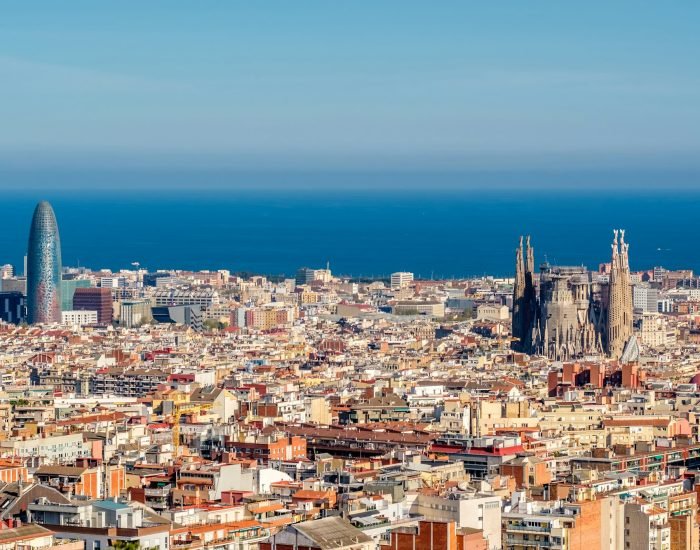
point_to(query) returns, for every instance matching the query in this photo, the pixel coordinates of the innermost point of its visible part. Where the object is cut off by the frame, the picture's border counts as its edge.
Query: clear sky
(351, 84)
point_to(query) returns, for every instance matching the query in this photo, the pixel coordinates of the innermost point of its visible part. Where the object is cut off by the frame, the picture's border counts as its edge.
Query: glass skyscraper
(44, 267)
(68, 288)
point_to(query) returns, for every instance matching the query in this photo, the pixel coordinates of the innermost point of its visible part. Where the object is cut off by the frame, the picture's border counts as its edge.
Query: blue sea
(439, 232)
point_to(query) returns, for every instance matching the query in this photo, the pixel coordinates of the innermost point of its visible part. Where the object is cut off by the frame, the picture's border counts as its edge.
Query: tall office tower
(524, 298)
(44, 267)
(94, 299)
(621, 305)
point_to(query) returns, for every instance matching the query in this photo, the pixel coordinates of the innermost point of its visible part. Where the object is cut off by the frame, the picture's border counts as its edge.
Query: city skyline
(283, 310)
(276, 233)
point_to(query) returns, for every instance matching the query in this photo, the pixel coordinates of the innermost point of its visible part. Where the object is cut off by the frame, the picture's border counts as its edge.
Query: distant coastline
(362, 233)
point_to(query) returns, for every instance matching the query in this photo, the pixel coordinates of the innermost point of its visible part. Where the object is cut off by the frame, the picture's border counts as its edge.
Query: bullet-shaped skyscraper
(44, 267)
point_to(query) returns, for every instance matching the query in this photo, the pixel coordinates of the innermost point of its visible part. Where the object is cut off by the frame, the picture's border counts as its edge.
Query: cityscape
(366, 275)
(178, 409)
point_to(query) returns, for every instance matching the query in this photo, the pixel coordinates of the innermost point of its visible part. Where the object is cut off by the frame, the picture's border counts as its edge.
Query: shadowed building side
(524, 297)
(44, 267)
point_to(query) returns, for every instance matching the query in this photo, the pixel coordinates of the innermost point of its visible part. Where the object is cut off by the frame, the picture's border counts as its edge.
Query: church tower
(530, 296)
(524, 300)
(620, 305)
(518, 299)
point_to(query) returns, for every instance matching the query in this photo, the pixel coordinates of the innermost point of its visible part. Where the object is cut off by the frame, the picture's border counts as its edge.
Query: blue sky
(350, 85)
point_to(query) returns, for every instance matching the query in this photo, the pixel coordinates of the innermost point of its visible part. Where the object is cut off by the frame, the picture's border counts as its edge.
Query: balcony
(158, 492)
(58, 544)
(518, 541)
(242, 538)
(528, 528)
(413, 520)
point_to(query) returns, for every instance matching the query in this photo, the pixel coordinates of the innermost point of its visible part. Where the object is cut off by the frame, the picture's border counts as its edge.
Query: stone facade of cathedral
(575, 313)
(620, 307)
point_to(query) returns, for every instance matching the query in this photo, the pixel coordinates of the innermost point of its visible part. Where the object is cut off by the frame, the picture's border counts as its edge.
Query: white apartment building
(79, 317)
(476, 511)
(655, 331)
(54, 448)
(113, 282)
(645, 297)
(173, 297)
(401, 279)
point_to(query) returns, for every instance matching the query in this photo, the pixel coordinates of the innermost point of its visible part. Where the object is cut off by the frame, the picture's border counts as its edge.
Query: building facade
(620, 307)
(44, 267)
(401, 279)
(574, 313)
(68, 288)
(190, 316)
(13, 307)
(79, 317)
(94, 299)
(134, 313)
(524, 299)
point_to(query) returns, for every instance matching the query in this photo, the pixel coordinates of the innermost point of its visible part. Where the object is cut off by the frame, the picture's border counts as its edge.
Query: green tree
(213, 324)
(126, 545)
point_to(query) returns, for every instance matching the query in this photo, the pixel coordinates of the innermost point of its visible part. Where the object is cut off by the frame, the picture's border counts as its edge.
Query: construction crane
(180, 409)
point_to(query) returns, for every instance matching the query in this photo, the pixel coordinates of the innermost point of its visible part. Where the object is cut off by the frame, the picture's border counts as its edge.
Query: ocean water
(434, 233)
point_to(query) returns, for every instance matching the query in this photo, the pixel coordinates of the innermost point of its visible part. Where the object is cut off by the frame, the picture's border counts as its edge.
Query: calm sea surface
(441, 233)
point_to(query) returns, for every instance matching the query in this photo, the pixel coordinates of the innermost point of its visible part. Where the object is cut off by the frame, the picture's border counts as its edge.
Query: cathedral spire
(518, 298)
(620, 297)
(524, 301)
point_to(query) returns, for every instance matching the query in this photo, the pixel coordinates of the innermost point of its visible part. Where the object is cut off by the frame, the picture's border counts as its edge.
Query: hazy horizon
(362, 86)
(84, 180)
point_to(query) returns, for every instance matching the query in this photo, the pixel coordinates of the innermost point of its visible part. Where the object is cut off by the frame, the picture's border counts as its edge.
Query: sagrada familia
(574, 314)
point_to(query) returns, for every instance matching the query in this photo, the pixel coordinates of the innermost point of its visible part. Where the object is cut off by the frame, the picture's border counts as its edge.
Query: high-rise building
(44, 267)
(94, 299)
